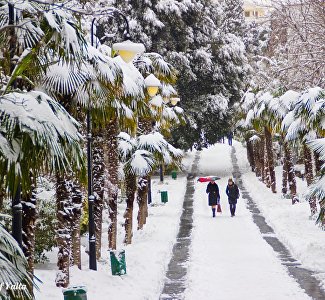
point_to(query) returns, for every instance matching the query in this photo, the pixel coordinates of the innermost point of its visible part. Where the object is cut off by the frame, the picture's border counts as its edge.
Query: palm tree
(13, 268)
(280, 107)
(301, 124)
(46, 35)
(317, 189)
(40, 137)
(260, 118)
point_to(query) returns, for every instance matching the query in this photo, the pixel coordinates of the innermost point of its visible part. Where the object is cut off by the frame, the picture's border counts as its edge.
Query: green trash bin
(164, 196)
(118, 264)
(75, 293)
(174, 174)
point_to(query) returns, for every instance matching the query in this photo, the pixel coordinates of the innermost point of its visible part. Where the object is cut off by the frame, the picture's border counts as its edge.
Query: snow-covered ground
(229, 258)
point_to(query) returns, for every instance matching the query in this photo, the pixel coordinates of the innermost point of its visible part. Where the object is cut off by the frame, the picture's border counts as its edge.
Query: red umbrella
(208, 178)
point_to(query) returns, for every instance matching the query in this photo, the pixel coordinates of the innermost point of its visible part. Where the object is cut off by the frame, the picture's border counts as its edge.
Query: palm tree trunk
(2, 192)
(28, 225)
(318, 162)
(75, 225)
(144, 127)
(131, 188)
(262, 159)
(269, 152)
(64, 208)
(112, 131)
(142, 200)
(250, 154)
(284, 175)
(98, 184)
(309, 176)
(290, 170)
(266, 167)
(257, 159)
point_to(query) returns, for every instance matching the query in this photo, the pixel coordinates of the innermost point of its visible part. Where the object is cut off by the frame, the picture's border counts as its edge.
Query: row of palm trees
(51, 76)
(296, 121)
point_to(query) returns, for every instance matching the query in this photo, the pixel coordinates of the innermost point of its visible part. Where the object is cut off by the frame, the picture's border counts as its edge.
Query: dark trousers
(232, 208)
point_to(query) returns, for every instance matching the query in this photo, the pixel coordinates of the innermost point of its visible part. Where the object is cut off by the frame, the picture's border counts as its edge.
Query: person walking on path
(214, 196)
(232, 192)
(229, 137)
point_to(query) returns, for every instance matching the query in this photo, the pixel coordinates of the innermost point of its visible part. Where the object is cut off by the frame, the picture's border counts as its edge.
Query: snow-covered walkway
(229, 257)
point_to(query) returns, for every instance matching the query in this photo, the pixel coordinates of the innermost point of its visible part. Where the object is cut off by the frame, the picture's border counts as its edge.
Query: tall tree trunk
(262, 158)
(266, 167)
(2, 191)
(144, 127)
(309, 176)
(112, 131)
(250, 153)
(257, 158)
(98, 184)
(142, 200)
(28, 225)
(290, 170)
(269, 151)
(318, 162)
(284, 175)
(75, 225)
(131, 187)
(64, 208)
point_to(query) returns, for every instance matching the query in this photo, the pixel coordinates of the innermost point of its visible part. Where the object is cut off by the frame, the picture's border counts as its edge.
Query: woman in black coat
(232, 192)
(214, 196)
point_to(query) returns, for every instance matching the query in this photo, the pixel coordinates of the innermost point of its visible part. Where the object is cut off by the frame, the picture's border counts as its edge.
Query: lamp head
(128, 50)
(152, 84)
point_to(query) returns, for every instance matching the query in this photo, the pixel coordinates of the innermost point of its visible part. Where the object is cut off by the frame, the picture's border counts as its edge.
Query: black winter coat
(213, 191)
(232, 192)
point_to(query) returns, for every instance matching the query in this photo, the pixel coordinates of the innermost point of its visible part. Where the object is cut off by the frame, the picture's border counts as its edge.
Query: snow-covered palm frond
(66, 37)
(295, 128)
(13, 267)
(133, 81)
(141, 163)
(318, 145)
(65, 78)
(46, 123)
(175, 152)
(107, 69)
(126, 145)
(248, 101)
(167, 90)
(289, 99)
(152, 142)
(156, 101)
(249, 118)
(317, 189)
(169, 114)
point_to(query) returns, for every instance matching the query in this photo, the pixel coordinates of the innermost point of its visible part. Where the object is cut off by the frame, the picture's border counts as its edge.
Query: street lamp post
(127, 50)
(16, 201)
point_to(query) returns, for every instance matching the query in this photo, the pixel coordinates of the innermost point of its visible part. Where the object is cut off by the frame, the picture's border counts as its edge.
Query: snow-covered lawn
(229, 257)
(146, 258)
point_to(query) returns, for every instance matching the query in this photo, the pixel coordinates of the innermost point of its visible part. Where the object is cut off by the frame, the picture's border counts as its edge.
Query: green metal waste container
(174, 174)
(118, 264)
(75, 293)
(164, 196)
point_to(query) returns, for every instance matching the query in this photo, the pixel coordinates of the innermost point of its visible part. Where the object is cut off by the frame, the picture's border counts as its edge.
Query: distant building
(255, 12)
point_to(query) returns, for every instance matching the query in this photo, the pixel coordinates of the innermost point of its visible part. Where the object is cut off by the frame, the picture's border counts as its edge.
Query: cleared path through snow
(229, 258)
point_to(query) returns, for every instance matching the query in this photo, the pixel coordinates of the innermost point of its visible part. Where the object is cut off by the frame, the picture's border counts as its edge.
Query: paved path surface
(303, 276)
(176, 274)
(177, 268)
